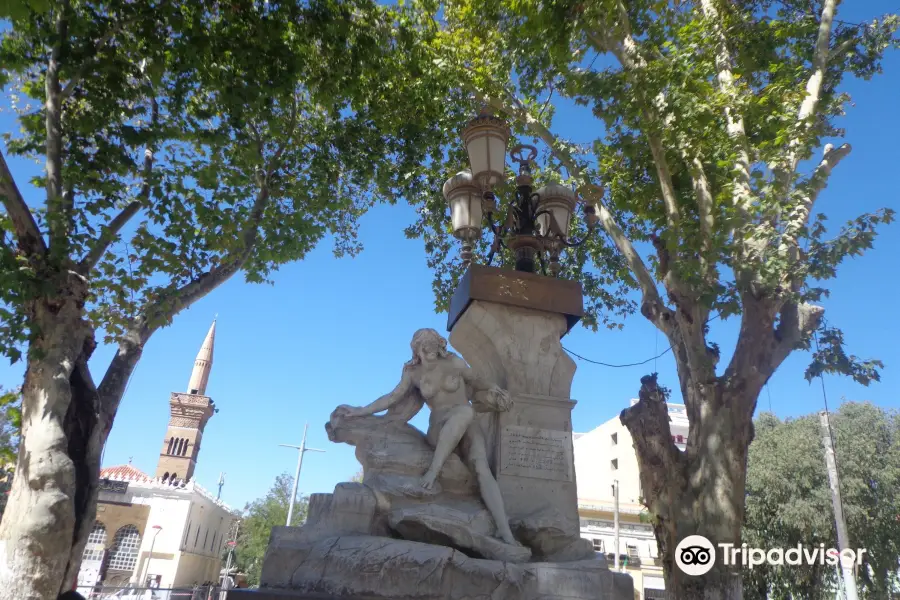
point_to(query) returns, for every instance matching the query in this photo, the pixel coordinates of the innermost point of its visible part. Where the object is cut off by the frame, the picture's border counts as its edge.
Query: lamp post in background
(157, 529)
(303, 450)
(536, 222)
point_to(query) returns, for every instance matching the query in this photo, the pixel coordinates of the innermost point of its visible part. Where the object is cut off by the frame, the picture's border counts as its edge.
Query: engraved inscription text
(534, 452)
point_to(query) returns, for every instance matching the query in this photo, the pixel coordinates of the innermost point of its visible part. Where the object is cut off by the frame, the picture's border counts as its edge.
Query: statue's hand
(347, 411)
(501, 399)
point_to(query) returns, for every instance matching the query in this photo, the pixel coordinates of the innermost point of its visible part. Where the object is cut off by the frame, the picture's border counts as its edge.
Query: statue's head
(427, 343)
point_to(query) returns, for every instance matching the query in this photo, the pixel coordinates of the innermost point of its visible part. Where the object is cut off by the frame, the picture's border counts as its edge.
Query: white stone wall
(194, 528)
(167, 511)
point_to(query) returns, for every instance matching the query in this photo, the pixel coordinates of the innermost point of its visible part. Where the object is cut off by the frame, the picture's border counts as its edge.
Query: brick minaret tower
(189, 414)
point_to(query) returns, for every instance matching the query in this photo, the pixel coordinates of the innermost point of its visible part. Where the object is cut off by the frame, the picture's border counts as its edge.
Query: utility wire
(603, 364)
(637, 364)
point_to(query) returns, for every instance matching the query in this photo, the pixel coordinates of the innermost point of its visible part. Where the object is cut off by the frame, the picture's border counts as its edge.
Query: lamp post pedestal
(508, 326)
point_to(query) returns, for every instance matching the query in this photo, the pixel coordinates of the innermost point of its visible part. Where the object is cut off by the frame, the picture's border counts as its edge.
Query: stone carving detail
(184, 422)
(429, 521)
(534, 452)
(190, 399)
(407, 467)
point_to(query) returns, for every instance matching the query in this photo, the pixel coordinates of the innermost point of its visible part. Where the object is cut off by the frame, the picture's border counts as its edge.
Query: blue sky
(335, 332)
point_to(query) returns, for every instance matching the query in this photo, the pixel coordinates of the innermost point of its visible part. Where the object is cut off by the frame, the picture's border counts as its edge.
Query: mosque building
(163, 530)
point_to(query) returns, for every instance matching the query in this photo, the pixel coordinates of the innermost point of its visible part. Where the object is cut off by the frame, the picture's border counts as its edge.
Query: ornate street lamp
(536, 223)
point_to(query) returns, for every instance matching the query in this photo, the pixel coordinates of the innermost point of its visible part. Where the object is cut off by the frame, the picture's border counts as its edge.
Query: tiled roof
(124, 473)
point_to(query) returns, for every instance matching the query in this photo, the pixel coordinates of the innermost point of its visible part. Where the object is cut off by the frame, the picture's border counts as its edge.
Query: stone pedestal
(508, 326)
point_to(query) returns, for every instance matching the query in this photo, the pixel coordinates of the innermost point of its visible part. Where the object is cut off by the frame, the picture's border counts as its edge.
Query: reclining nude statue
(442, 380)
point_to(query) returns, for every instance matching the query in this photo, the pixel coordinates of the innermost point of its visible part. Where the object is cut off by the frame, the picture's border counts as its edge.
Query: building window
(614, 438)
(212, 544)
(125, 549)
(194, 391)
(613, 490)
(598, 545)
(206, 537)
(614, 464)
(96, 543)
(171, 443)
(197, 537)
(187, 532)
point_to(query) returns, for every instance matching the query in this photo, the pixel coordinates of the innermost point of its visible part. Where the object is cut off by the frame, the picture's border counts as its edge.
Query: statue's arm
(389, 399)
(477, 383)
(488, 397)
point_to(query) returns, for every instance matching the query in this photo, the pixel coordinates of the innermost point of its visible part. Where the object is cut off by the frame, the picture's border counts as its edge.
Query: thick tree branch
(275, 163)
(28, 236)
(798, 321)
(111, 230)
(662, 465)
(799, 217)
(625, 49)
(705, 203)
(131, 346)
(160, 312)
(811, 100)
(58, 207)
(733, 118)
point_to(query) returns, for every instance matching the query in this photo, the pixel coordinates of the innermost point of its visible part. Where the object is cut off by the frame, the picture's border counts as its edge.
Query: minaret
(189, 414)
(203, 364)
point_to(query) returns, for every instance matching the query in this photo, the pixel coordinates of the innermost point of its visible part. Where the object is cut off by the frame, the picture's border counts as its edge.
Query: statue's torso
(441, 384)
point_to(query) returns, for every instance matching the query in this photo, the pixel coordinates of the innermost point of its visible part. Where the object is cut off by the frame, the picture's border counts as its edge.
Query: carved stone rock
(394, 455)
(388, 569)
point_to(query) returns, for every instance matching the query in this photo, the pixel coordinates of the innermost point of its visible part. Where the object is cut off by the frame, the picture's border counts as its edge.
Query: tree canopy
(718, 125)
(195, 142)
(789, 500)
(182, 143)
(715, 126)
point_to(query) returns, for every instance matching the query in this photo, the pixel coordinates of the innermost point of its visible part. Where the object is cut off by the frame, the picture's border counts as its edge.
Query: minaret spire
(203, 363)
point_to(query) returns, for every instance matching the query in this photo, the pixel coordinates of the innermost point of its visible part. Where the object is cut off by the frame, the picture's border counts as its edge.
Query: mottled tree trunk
(66, 421)
(699, 491)
(45, 506)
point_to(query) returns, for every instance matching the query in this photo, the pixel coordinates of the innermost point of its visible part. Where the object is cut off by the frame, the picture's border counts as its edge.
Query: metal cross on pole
(303, 449)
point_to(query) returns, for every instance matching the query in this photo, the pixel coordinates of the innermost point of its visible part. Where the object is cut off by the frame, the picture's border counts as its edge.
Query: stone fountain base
(382, 568)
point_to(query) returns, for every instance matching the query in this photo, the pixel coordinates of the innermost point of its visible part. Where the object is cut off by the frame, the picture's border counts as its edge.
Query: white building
(185, 525)
(603, 457)
(164, 531)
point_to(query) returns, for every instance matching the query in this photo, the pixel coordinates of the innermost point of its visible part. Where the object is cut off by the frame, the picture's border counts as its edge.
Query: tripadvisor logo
(695, 555)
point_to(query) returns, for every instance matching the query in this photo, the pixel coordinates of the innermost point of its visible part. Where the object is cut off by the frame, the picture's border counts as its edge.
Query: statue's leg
(452, 431)
(490, 490)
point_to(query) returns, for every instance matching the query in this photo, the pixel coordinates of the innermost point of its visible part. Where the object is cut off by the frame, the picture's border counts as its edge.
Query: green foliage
(789, 500)
(529, 57)
(10, 426)
(324, 105)
(259, 517)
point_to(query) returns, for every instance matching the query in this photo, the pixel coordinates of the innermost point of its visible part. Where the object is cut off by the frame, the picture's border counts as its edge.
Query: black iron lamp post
(536, 222)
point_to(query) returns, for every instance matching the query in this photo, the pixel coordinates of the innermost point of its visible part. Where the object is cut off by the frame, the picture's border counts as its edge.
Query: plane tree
(182, 144)
(718, 126)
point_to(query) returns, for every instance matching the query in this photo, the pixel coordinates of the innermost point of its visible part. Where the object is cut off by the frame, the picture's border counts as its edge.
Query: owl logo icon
(695, 555)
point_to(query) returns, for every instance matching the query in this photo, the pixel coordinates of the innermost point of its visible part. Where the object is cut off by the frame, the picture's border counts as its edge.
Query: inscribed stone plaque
(535, 452)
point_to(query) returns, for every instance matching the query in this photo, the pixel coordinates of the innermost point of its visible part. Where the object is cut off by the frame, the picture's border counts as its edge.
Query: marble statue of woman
(443, 381)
